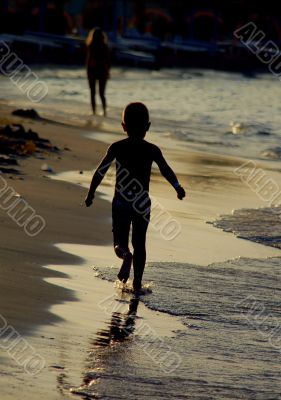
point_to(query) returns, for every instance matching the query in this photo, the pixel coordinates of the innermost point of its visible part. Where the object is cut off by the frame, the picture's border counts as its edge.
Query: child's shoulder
(127, 142)
(153, 147)
(118, 143)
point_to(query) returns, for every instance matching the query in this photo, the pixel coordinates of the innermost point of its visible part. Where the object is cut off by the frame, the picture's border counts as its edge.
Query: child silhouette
(131, 203)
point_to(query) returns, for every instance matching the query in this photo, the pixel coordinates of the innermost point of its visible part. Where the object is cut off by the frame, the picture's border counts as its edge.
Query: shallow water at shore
(258, 225)
(227, 113)
(229, 349)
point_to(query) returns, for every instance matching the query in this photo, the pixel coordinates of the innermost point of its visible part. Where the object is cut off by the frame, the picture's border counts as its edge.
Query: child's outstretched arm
(169, 174)
(99, 175)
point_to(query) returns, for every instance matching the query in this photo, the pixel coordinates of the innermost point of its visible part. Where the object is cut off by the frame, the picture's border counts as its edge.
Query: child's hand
(89, 200)
(181, 192)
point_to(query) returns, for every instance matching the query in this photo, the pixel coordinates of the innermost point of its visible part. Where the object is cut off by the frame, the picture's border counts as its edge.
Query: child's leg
(121, 223)
(138, 241)
(121, 219)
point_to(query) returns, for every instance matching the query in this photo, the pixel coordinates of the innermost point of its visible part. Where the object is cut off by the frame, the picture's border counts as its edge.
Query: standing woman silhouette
(98, 65)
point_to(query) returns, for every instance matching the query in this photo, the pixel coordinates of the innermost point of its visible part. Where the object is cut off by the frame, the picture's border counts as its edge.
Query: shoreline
(200, 165)
(38, 301)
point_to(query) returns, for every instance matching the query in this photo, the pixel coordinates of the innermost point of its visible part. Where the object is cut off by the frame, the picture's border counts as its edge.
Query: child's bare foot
(125, 269)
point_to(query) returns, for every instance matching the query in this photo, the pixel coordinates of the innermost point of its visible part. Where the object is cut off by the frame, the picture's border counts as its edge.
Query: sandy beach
(49, 291)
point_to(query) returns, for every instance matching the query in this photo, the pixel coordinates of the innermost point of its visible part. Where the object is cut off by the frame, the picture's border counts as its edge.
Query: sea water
(229, 113)
(230, 348)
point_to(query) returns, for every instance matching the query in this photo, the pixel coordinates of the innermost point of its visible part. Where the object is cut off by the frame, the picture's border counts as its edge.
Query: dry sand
(49, 293)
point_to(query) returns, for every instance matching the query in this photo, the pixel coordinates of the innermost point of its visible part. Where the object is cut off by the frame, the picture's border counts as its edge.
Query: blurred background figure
(98, 65)
(75, 9)
(50, 17)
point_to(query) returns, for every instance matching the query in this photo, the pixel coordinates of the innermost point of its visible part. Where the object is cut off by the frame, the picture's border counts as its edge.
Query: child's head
(135, 120)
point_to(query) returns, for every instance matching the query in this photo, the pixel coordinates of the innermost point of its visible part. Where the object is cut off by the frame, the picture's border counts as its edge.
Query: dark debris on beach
(29, 113)
(17, 142)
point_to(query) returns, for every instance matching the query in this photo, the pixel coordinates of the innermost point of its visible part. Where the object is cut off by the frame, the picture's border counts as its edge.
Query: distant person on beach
(98, 65)
(131, 203)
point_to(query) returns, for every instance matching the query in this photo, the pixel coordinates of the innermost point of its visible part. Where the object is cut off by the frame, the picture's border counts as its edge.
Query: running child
(131, 203)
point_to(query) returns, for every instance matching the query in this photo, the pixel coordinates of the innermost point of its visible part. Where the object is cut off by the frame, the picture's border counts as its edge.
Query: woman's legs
(102, 86)
(92, 85)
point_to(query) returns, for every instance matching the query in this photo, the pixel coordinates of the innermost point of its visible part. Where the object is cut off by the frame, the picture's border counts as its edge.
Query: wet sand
(57, 308)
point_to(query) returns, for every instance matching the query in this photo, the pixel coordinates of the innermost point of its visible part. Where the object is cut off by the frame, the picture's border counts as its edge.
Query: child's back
(134, 158)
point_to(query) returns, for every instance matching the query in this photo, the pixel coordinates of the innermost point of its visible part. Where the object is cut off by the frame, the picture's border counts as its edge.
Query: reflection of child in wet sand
(97, 65)
(131, 204)
(121, 325)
